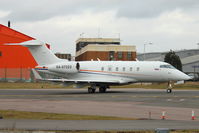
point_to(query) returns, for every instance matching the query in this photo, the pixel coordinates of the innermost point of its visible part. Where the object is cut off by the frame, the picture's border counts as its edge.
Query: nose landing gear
(102, 89)
(169, 88)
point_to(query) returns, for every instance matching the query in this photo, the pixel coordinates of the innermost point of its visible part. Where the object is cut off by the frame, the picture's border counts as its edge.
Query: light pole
(145, 47)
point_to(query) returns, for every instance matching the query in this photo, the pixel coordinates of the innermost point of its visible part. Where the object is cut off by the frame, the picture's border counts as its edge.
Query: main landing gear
(102, 89)
(169, 88)
(91, 89)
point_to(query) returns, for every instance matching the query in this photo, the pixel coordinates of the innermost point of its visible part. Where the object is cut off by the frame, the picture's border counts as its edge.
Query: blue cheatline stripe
(41, 68)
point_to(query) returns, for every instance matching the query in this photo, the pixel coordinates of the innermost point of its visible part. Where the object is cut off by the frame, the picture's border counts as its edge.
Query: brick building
(64, 56)
(104, 49)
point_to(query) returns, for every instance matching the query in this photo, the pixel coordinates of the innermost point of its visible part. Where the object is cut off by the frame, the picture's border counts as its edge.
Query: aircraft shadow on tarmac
(84, 92)
(133, 92)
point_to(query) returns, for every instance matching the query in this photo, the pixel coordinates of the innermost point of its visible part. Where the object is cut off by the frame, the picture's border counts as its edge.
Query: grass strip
(18, 85)
(12, 114)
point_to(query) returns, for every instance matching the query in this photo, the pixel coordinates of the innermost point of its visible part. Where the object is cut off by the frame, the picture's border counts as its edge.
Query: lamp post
(145, 47)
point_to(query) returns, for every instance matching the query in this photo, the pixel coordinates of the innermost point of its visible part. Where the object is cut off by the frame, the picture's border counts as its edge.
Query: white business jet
(100, 74)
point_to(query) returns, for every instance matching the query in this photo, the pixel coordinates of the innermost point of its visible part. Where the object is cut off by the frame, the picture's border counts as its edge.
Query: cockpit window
(167, 66)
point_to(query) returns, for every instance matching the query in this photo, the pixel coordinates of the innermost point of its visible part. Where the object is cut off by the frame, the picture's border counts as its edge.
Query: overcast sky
(168, 24)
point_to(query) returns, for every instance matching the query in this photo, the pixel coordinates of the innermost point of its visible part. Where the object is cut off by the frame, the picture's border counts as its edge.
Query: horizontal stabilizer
(28, 43)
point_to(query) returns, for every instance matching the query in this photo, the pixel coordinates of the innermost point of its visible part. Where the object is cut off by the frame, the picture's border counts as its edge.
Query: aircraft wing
(82, 81)
(38, 77)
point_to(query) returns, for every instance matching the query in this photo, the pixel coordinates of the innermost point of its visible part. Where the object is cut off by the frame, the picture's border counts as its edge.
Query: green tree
(173, 59)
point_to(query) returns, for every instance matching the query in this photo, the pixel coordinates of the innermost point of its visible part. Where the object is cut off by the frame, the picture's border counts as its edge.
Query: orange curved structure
(14, 56)
(15, 61)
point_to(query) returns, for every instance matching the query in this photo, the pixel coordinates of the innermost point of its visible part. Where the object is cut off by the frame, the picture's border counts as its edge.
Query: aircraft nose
(185, 76)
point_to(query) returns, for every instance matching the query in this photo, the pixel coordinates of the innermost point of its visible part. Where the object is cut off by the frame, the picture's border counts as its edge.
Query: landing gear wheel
(91, 90)
(169, 90)
(102, 89)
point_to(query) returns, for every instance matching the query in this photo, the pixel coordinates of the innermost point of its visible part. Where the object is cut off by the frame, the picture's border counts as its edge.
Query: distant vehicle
(101, 74)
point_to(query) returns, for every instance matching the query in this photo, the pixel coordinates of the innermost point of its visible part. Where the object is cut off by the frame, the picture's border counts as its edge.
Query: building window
(123, 68)
(116, 69)
(111, 55)
(119, 54)
(131, 69)
(102, 68)
(129, 55)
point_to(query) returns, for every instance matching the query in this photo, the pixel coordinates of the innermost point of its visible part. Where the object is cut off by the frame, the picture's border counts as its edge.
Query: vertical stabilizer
(40, 52)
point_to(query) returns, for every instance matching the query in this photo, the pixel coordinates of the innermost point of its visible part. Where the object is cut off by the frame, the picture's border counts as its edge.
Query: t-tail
(40, 52)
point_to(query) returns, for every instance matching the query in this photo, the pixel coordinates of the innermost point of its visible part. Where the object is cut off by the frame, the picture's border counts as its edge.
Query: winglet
(36, 74)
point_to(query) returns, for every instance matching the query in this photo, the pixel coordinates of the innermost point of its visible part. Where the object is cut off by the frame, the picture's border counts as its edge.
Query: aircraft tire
(91, 90)
(169, 90)
(102, 89)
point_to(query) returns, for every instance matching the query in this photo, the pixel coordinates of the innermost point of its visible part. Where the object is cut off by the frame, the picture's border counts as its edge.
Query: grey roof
(188, 58)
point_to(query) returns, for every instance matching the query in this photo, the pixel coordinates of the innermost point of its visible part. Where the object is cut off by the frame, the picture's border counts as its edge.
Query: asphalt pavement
(96, 124)
(134, 103)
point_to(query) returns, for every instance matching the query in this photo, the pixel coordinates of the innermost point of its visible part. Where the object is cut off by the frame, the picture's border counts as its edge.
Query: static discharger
(163, 115)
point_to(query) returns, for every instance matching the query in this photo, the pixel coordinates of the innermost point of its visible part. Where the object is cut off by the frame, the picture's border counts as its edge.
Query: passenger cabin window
(123, 68)
(102, 68)
(109, 68)
(131, 69)
(138, 69)
(116, 69)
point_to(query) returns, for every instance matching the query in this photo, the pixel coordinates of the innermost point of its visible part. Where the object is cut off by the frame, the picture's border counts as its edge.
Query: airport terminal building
(105, 49)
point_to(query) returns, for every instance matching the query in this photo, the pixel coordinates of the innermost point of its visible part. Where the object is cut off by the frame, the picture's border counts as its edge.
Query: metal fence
(16, 75)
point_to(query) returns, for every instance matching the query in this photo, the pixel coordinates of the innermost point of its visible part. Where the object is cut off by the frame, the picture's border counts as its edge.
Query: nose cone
(187, 77)
(183, 76)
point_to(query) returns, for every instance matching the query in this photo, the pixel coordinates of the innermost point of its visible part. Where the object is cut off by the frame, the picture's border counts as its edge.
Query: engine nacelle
(66, 67)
